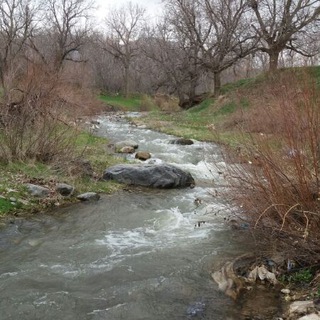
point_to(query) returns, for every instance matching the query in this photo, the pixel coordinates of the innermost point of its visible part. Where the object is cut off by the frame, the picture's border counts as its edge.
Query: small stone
(34, 243)
(182, 142)
(12, 199)
(37, 191)
(89, 196)
(126, 143)
(142, 155)
(126, 150)
(64, 189)
(285, 291)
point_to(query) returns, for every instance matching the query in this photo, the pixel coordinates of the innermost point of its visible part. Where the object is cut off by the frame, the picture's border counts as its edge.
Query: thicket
(38, 117)
(278, 183)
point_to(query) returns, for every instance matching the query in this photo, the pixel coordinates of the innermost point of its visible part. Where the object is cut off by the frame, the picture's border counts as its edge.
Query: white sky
(153, 7)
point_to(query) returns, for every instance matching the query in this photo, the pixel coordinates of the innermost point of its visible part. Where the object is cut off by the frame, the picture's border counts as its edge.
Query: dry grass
(166, 103)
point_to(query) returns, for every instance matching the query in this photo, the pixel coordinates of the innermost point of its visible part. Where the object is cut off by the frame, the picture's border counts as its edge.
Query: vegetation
(120, 102)
(300, 277)
(133, 103)
(273, 130)
(15, 199)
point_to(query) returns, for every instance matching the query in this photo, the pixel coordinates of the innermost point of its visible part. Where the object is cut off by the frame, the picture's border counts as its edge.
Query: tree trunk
(126, 81)
(273, 60)
(217, 83)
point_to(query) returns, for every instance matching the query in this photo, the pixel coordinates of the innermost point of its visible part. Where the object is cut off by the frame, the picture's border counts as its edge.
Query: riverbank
(82, 171)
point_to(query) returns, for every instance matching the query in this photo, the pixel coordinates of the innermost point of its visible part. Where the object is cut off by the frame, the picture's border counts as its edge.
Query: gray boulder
(64, 189)
(37, 191)
(147, 175)
(89, 196)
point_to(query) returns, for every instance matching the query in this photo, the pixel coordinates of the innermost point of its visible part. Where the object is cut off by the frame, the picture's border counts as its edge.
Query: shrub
(146, 103)
(279, 184)
(36, 118)
(166, 102)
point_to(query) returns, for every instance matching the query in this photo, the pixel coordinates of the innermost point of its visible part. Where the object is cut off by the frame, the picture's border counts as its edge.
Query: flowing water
(145, 254)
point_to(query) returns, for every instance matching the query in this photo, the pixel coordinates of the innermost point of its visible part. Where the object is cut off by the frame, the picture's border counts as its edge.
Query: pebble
(285, 291)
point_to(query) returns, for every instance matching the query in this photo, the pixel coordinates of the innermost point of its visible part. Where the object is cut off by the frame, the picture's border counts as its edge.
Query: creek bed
(146, 254)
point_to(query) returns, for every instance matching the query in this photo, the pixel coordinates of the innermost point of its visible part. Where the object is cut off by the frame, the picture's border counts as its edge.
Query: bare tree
(217, 29)
(124, 26)
(229, 39)
(16, 23)
(176, 62)
(282, 24)
(66, 27)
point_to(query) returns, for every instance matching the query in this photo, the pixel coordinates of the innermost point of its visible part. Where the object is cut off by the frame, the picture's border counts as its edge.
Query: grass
(300, 277)
(129, 104)
(15, 175)
(6, 206)
(134, 103)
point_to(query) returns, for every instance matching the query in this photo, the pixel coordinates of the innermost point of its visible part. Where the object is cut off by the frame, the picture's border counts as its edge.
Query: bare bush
(36, 118)
(166, 102)
(279, 185)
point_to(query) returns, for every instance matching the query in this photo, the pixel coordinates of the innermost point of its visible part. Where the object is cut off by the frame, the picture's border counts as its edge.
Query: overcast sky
(153, 7)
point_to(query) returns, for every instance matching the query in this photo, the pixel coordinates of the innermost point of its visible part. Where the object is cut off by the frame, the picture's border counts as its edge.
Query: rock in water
(182, 142)
(89, 196)
(126, 150)
(155, 176)
(196, 309)
(126, 143)
(142, 155)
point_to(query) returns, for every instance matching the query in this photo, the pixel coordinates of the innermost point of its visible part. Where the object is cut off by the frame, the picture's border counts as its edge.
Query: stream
(142, 254)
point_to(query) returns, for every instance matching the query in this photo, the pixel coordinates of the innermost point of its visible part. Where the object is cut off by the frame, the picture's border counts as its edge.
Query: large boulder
(155, 176)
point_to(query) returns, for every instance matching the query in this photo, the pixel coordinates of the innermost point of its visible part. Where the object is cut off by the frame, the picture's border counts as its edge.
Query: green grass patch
(134, 103)
(226, 109)
(315, 72)
(300, 277)
(129, 104)
(240, 84)
(203, 106)
(6, 206)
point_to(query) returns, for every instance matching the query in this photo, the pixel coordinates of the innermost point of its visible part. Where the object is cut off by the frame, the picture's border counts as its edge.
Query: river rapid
(141, 254)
